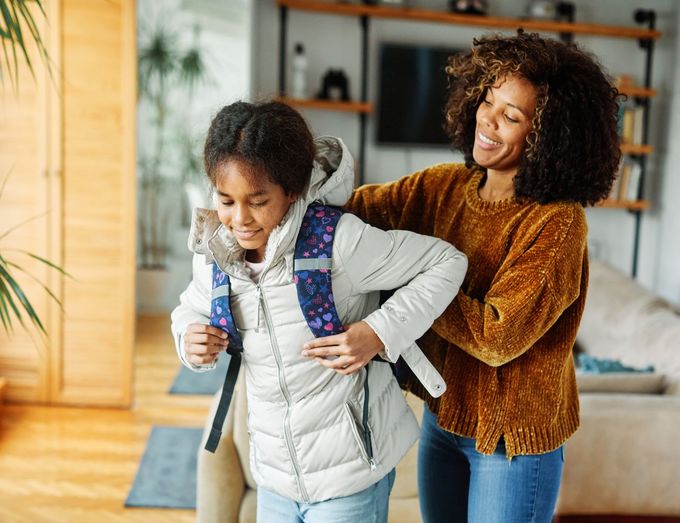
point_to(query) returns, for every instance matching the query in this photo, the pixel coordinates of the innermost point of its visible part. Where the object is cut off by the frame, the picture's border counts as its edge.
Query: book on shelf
(631, 123)
(626, 186)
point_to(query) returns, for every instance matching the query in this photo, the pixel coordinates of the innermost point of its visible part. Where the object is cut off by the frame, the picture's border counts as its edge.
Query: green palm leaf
(8, 281)
(15, 15)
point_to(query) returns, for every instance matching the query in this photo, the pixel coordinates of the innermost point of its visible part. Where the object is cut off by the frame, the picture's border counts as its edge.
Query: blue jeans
(457, 484)
(368, 506)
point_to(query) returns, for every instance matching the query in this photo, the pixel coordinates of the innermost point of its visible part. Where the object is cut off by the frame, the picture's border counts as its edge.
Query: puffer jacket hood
(331, 183)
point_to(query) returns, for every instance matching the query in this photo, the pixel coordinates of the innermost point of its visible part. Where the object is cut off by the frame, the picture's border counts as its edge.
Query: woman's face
(249, 206)
(503, 122)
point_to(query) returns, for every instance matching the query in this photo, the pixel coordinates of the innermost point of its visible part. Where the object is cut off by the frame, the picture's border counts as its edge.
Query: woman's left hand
(347, 352)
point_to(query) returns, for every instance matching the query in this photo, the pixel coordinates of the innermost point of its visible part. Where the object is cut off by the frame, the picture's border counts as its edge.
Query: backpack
(312, 268)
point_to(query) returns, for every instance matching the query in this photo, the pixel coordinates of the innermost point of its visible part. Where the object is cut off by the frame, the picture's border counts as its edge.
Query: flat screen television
(411, 94)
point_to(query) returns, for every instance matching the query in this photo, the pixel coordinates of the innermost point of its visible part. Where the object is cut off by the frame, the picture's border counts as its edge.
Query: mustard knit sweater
(504, 345)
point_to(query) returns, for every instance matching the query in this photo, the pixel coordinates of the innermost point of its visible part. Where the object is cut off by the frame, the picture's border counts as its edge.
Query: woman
(536, 121)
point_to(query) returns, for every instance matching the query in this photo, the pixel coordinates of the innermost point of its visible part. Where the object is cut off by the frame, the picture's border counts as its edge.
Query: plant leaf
(5, 292)
(46, 289)
(20, 38)
(47, 262)
(21, 296)
(20, 224)
(12, 29)
(4, 313)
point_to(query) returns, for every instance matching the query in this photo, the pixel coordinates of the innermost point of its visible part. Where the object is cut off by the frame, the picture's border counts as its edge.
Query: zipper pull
(259, 306)
(371, 462)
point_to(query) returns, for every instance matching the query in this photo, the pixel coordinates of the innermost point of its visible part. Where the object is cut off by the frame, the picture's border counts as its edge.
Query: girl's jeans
(457, 484)
(367, 506)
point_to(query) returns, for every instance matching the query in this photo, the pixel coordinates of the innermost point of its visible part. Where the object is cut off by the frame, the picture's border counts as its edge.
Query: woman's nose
(489, 119)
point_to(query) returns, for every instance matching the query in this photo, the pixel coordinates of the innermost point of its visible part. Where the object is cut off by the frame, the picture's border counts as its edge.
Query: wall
(667, 212)
(335, 42)
(225, 41)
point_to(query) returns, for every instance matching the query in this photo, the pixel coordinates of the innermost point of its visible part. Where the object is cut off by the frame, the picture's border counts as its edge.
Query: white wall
(226, 41)
(335, 42)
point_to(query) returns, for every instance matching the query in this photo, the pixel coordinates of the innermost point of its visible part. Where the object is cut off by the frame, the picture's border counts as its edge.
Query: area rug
(190, 382)
(166, 477)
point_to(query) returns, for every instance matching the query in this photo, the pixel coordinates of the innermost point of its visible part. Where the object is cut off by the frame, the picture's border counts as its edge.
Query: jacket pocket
(359, 435)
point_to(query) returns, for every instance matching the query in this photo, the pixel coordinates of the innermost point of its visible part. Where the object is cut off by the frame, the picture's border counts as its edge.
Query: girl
(324, 438)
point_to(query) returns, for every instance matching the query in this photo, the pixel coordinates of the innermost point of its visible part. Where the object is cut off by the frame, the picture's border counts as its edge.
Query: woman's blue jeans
(457, 484)
(368, 506)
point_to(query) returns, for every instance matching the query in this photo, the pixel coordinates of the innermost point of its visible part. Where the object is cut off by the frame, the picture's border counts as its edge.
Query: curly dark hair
(271, 137)
(572, 152)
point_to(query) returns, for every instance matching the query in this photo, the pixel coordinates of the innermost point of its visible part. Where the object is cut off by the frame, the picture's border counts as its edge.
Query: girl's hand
(347, 352)
(203, 343)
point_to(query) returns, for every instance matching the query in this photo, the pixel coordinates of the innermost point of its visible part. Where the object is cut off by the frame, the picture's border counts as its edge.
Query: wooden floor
(76, 465)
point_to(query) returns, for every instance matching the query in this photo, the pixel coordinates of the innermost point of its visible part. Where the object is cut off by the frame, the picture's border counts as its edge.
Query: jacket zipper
(359, 440)
(364, 421)
(286, 394)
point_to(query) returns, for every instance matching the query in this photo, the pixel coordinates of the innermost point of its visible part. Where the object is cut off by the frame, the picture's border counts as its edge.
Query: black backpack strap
(222, 318)
(225, 400)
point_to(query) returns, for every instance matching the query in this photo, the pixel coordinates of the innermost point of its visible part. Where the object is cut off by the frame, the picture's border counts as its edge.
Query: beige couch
(625, 458)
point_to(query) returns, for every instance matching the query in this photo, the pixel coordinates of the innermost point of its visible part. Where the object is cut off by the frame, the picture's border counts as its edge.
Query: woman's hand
(203, 343)
(347, 352)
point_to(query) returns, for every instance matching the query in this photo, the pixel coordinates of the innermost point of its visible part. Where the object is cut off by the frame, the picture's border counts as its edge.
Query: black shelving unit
(566, 31)
(364, 23)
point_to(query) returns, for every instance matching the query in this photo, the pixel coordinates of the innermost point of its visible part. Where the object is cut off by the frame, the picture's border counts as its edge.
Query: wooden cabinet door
(70, 142)
(26, 209)
(99, 179)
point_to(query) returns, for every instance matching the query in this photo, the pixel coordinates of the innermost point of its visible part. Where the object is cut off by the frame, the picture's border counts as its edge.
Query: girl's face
(503, 122)
(250, 206)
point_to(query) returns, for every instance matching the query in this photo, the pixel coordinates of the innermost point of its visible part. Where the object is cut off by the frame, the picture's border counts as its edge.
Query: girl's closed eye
(511, 119)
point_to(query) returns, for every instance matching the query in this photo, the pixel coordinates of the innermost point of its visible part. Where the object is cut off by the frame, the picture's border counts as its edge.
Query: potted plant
(164, 68)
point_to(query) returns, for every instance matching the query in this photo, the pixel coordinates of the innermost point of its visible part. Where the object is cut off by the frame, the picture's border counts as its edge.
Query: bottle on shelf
(299, 65)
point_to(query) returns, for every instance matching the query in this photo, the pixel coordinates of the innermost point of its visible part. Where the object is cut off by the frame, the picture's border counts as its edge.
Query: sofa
(623, 461)
(625, 458)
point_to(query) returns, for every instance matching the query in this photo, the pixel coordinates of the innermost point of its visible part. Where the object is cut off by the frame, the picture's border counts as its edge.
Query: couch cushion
(624, 321)
(624, 382)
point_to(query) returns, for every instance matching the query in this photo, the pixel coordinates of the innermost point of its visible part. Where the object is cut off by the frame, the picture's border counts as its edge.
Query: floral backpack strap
(312, 269)
(222, 318)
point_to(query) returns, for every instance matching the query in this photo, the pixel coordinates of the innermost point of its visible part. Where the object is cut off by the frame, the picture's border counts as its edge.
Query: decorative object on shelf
(299, 64)
(335, 86)
(565, 12)
(542, 9)
(471, 7)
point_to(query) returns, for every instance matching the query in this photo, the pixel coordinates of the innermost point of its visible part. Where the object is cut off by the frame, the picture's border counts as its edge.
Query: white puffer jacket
(304, 420)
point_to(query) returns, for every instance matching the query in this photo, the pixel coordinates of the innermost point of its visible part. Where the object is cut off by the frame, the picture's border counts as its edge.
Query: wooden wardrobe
(67, 142)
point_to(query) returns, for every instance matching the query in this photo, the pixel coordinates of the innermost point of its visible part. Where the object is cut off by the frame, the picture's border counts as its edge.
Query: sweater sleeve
(406, 203)
(527, 296)
(426, 272)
